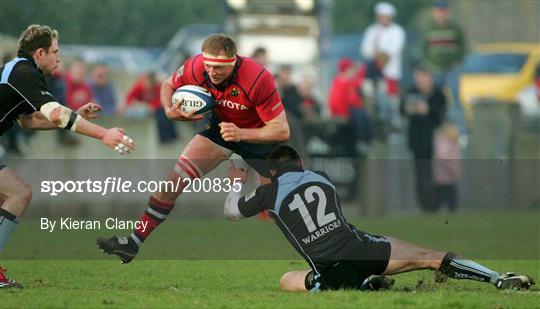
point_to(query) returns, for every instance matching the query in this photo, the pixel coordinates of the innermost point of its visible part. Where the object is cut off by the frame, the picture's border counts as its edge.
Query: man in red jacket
(343, 94)
(345, 100)
(147, 90)
(248, 119)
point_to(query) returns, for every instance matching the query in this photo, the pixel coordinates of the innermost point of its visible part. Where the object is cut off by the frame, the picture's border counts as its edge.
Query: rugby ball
(193, 98)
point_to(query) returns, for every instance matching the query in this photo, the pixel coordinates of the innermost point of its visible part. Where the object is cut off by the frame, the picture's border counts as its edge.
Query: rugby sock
(8, 223)
(459, 268)
(156, 212)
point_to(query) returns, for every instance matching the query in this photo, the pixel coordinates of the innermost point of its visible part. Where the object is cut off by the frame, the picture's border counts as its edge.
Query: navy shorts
(350, 274)
(254, 154)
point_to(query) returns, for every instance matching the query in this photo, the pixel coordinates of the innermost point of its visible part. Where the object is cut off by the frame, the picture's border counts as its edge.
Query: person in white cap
(381, 48)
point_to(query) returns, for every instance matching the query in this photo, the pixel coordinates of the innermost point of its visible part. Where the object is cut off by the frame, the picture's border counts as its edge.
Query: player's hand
(237, 172)
(230, 132)
(174, 113)
(89, 110)
(117, 139)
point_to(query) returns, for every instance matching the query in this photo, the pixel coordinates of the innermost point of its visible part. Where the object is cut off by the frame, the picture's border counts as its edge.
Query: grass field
(213, 263)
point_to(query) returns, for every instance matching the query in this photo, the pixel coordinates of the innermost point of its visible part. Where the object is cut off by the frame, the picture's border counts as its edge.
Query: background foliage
(153, 22)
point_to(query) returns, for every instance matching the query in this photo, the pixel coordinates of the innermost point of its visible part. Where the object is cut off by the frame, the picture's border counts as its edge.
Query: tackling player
(248, 119)
(25, 98)
(305, 206)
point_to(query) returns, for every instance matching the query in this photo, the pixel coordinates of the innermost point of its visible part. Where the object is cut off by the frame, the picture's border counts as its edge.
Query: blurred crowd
(371, 97)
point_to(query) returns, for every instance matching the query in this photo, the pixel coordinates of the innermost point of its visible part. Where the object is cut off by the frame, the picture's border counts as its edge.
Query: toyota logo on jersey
(231, 104)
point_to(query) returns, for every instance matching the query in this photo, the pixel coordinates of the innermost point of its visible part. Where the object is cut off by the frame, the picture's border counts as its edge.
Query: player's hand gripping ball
(191, 98)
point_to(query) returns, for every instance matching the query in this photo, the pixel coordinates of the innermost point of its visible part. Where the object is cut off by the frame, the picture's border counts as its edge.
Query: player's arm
(230, 209)
(270, 110)
(238, 176)
(37, 121)
(172, 111)
(31, 84)
(275, 130)
(237, 206)
(65, 118)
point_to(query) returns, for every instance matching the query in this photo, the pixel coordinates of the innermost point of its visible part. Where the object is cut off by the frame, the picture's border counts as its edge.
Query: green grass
(213, 263)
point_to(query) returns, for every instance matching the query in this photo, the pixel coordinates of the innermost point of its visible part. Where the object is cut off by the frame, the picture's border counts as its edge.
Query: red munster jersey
(248, 99)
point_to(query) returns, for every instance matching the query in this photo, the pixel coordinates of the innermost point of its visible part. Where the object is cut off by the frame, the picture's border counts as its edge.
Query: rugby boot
(513, 281)
(5, 282)
(124, 247)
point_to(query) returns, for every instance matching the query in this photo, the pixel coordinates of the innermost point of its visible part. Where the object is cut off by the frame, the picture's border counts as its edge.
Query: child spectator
(446, 166)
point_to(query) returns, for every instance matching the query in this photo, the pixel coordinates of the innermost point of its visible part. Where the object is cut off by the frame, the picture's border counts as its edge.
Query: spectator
(345, 100)
(103, 89)
(341, 95)
(57, 83)
(381, 48)
(311, 108)
(537, 81)
(292, 101)
(78, 92)
(289, 93)
(58, 88)
(447, 166)
(146, 90)
(260, 54)
(444, 50)
(424, 105)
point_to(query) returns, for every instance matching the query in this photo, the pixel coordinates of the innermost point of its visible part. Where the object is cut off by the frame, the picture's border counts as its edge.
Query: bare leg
(406, 256)
(15, 195)
(199, 157)
(15, 192)
(294, 281)
(204, 155)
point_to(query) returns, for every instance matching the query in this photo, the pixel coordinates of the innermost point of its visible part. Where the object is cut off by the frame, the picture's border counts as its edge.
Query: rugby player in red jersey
(248, 119)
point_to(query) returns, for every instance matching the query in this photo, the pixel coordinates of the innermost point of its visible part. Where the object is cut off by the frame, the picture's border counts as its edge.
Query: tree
(118, 22)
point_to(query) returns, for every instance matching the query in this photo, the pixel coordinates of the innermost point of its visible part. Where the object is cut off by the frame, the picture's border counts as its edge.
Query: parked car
(499, 71)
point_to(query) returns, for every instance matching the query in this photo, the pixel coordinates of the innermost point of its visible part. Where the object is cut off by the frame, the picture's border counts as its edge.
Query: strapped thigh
(191, 168)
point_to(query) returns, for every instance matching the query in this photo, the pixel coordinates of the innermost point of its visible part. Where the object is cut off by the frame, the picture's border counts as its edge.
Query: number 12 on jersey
(309, 194)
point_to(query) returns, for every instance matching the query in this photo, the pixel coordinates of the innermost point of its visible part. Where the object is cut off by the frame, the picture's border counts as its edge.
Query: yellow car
(498, 71)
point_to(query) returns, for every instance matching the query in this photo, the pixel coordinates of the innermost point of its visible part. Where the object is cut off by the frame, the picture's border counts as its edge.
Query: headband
(210, 59)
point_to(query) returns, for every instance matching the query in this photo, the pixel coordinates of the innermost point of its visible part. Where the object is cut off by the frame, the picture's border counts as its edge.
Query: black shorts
(350, 274)
(2, 166)
(254, 154)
